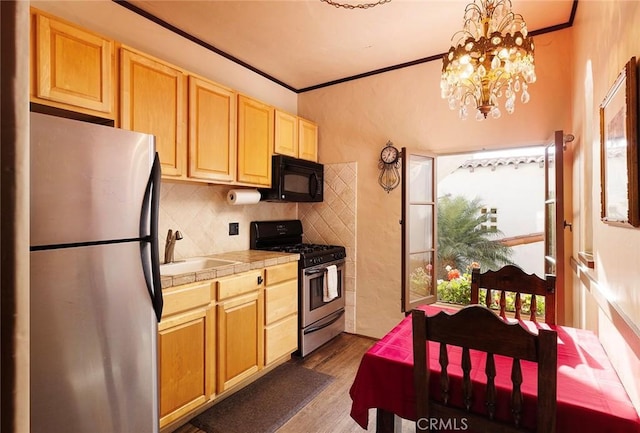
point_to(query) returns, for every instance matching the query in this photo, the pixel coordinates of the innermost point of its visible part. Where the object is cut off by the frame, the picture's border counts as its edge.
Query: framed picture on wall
(619, 150)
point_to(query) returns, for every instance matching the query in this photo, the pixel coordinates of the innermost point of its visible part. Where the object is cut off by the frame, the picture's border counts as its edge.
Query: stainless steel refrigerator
(95, 281)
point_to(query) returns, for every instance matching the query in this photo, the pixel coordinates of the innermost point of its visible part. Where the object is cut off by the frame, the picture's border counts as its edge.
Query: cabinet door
(286, 130)
(240, 342)
(184, 363)
(281, 339)
(308, 142)
(212, 131)
(153, 101)
(73, 67)
(281, 311)
(255, 141)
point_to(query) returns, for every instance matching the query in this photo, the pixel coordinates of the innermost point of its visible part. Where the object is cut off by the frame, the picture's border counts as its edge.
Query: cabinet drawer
(239, 284)
(281, 339)
(187, 297)
(280, 301)
(279, 273)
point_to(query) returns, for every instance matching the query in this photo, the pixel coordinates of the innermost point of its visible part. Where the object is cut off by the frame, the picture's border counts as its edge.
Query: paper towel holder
(243, 196)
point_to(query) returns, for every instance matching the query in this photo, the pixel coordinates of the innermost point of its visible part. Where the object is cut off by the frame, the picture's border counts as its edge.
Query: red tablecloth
(590, 395)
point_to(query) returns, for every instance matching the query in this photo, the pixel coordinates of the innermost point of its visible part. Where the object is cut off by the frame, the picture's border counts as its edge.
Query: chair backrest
(511, 278)
(478, 328)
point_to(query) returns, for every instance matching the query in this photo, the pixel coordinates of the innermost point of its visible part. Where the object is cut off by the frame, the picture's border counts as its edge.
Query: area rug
(266, 404)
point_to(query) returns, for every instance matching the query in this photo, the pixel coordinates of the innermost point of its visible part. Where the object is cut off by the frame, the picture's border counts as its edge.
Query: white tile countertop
(243, 261)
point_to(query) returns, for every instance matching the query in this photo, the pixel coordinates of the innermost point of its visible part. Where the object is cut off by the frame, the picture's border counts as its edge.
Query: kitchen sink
(193, 264)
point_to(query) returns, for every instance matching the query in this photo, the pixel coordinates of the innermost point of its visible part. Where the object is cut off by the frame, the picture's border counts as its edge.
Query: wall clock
(389, 164)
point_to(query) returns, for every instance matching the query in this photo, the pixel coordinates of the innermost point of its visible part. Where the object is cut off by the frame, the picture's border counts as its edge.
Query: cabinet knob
(260, 279)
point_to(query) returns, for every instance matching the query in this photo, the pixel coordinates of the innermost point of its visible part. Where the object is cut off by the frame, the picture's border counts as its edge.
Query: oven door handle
(316, 271)
(337, 314)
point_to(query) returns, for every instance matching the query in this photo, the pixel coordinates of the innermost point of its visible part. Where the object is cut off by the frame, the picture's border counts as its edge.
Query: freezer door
(87, 181)
(93, 342)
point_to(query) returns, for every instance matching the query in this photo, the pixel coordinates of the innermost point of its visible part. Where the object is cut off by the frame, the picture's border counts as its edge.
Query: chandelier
(492, 59)
(356, 5)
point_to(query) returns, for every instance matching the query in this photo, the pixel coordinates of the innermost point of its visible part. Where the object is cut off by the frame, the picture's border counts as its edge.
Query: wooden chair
(513, 279)
(476, 327)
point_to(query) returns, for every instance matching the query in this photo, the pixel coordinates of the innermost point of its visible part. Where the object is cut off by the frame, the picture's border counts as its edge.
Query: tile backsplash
(202, 214)
(333, 221)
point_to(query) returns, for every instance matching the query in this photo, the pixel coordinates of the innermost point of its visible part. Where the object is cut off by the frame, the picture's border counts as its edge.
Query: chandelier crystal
(492, 59)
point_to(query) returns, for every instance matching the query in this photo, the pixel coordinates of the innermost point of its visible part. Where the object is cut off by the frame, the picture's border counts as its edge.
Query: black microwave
(294, 180)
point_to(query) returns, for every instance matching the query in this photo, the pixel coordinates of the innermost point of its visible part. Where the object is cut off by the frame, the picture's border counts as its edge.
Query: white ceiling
(306, 43)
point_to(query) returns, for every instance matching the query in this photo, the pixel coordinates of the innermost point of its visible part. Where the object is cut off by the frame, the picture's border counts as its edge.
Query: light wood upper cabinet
(71, 68)
(212, 131)
(295, 136)
(153, 100)
(255, 141)
(286, 134)
(186, 351)
(308, 140)
(204, 131)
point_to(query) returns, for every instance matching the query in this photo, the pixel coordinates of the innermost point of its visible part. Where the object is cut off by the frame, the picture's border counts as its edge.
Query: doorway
(508, 186)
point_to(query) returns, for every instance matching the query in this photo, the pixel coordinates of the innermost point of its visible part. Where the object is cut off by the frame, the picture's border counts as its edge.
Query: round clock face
(389, 155)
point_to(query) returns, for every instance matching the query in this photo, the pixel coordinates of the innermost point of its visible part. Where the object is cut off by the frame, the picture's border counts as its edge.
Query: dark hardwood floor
(329, 411)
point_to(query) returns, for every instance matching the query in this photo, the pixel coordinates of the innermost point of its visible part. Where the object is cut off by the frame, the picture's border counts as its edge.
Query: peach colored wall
(606, 35)
(357, 118)
(112, 20)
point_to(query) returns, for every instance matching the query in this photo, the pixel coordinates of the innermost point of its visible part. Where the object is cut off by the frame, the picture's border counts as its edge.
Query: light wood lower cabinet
(281, 311)
(185, 351)
(240, 344)
(216, 336)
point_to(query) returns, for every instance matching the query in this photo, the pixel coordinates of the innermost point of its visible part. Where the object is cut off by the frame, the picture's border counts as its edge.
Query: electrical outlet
(234, 229)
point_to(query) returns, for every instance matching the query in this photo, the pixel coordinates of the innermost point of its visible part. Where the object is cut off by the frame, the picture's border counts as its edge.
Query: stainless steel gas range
(321, 297)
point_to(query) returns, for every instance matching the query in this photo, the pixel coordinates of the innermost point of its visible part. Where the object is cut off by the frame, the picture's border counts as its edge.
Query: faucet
(170, 245)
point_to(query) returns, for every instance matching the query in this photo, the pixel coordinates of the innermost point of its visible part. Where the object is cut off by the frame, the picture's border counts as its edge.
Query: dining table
(590, 395)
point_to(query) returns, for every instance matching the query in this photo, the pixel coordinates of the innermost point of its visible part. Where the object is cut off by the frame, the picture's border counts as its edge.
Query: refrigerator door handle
(149, 237)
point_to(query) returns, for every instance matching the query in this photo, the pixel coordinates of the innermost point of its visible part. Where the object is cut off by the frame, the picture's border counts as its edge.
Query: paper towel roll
(243, 196)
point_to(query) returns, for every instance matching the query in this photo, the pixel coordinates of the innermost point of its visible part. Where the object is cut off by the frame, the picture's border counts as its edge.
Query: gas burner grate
(286, 237)
(302, 248)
